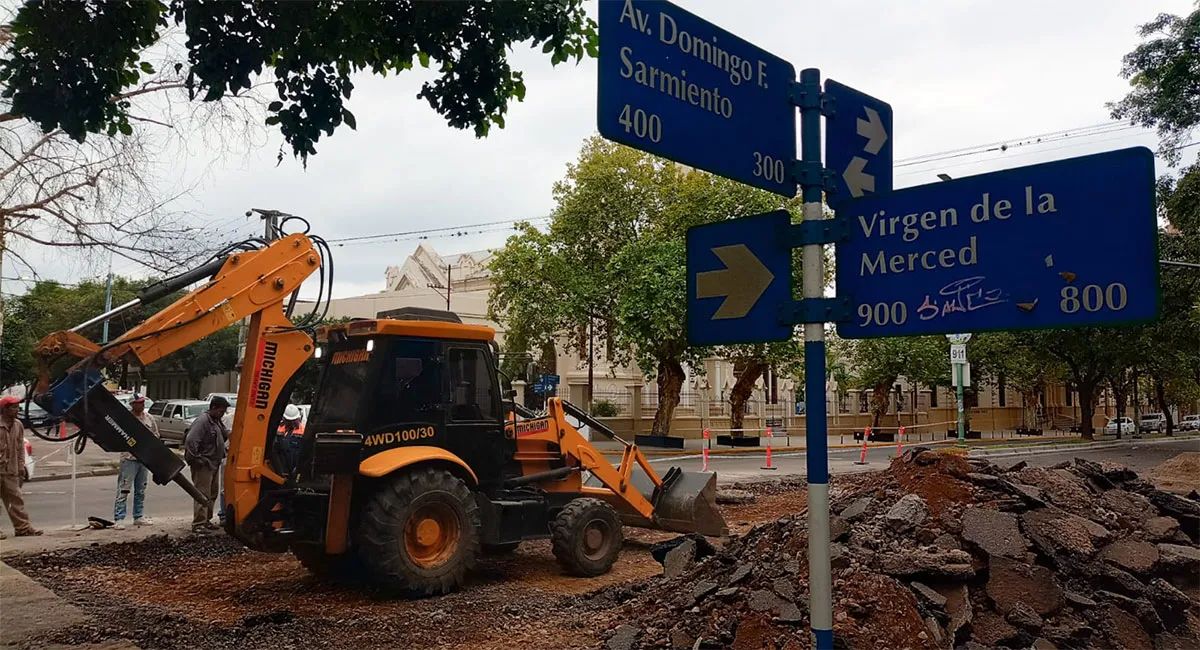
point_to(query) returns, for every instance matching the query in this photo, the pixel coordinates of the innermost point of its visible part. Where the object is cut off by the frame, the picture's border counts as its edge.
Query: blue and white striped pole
(820, 579)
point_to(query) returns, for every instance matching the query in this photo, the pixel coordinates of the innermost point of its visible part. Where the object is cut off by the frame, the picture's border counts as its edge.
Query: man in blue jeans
(133, 475)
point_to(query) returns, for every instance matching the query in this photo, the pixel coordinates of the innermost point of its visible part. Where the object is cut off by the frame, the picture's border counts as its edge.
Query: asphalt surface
(49, 502)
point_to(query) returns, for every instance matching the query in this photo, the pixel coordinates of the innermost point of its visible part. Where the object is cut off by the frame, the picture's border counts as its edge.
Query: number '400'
(643, 124)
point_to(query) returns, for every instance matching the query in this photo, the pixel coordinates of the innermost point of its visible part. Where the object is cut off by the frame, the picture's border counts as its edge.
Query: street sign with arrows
(739, 273)
(858, 142)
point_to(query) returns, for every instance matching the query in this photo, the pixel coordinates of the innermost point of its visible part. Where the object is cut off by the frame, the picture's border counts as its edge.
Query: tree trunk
(880, 396)
(1087, 408)
(1029, 408)
(1121, 397)
(1160, 395)
(741, 392)
(670, 382)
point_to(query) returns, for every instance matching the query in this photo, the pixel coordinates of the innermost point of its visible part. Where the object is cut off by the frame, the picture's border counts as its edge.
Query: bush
(603, 408)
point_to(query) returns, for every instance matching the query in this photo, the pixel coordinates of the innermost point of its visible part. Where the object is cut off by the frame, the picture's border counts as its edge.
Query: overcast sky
(956, 73)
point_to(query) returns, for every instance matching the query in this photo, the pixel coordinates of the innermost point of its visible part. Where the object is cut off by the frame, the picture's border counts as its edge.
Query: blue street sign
(682, 88)
(1062, 244)
(550, 380)
(738, 275)
(858, 143)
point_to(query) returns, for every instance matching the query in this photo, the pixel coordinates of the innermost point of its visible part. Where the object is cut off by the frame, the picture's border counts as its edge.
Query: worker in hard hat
(288, 436)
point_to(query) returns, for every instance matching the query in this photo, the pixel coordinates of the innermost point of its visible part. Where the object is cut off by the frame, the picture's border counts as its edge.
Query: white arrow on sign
(872, 129)
(741, 283)
(856, 179)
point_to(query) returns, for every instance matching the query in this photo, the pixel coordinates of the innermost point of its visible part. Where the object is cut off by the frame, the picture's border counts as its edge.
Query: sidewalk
(69, 538)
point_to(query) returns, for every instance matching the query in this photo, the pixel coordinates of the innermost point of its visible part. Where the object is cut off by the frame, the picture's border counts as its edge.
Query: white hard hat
(291, 412)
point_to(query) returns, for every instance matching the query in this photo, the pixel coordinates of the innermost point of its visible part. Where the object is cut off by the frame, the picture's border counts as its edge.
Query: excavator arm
(250, 284)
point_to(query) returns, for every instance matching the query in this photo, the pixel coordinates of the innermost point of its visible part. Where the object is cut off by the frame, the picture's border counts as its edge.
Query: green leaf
(124, 127)
(348, 118)
(548, 47)
(274, 107)
(423, 57)
(272, 120)
(147, 68)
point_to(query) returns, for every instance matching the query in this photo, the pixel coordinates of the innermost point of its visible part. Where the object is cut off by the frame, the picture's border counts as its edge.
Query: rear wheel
(419, 533)
(586, 537)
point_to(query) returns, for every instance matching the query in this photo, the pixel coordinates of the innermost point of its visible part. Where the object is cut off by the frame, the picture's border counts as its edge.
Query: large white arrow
(872, 129)
(743, 281)
(856, 179)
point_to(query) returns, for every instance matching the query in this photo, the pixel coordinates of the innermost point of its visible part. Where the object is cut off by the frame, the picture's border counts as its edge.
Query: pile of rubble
(941, 552)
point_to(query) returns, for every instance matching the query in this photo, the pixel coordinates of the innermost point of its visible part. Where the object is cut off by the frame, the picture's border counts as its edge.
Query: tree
(618, 212)
(110, 197)
(878, 363)
(652, 318)
(1164, 72)
(70, 58)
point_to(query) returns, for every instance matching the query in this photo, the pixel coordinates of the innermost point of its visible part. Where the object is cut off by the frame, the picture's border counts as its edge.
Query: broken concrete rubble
(940, 553)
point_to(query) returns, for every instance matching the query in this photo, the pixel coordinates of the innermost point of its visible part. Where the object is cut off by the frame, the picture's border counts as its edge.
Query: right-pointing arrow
(856, 179)
(872, 129)
(741, 283)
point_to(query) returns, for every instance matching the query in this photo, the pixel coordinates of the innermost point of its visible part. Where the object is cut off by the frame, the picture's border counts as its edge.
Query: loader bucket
(685, 503)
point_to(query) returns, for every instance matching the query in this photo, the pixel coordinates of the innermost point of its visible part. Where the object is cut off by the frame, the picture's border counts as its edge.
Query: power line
(1007, 145)
(446, 231)
(1077, 130)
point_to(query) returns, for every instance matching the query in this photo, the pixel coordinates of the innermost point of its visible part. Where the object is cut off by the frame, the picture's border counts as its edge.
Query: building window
(843, 401)
(1003, 390)
(933, 390)
(863, 400)
(1070, 395)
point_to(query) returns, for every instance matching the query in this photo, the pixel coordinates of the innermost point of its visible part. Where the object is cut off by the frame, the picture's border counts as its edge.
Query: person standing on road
(12, 467)
(204, 450)
(133, 474)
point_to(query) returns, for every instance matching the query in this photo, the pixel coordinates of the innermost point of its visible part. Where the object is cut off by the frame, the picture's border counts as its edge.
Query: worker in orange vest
(289, 435)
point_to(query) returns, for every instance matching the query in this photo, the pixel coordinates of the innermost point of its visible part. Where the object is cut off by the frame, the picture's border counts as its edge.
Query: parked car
(35, 418)
(29, 459)
(1190, 422)
(175, 416)
(1124, 424)
(229, 397)
(1152, 422)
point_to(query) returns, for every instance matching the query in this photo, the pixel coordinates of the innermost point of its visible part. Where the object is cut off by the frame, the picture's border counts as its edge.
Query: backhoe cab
(446, 469)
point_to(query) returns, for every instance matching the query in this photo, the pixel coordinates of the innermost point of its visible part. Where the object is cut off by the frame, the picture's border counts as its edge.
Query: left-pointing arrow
(741, 283)
(857, 180)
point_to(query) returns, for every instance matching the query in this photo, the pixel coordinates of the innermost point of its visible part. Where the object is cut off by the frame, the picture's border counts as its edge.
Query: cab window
(157, 408)
(471, 392)
(408, 386)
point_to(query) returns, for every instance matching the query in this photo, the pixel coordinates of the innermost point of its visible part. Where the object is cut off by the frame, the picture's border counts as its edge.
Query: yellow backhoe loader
(411, 464)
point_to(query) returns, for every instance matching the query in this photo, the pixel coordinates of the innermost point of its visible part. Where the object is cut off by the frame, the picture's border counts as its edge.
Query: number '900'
(882, 313)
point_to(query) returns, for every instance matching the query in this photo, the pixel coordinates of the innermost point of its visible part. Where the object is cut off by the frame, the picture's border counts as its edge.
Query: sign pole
(820, 579)
(962, 420)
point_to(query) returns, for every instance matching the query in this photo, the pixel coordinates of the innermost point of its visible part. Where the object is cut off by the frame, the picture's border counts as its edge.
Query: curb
(1051, 448)
(107, 471)
(750, 451)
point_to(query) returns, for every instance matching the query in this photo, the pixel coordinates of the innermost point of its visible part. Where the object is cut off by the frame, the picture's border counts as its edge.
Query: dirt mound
(1180, 474)
(941, 552)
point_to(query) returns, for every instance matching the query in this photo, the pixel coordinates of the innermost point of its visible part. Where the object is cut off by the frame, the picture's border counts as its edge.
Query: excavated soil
(209, 592)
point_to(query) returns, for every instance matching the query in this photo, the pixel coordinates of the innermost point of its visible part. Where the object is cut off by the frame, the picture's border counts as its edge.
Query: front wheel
(419, 533)
(586, 537)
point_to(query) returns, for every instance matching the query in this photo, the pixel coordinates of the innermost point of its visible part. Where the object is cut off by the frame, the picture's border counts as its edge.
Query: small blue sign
(1062, 244)
(677, 86)
(858, 143)
(739, 272)
(550, 380)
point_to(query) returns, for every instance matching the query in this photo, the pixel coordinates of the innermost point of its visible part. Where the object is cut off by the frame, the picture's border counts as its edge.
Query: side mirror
(510, 394)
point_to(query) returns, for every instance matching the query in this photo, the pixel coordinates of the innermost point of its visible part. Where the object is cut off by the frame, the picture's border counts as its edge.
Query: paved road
(50, 501)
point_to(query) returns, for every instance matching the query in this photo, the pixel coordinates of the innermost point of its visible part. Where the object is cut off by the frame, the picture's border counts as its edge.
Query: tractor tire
(336, 568)
(419, 533)
(586, 537)
(500, 549)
